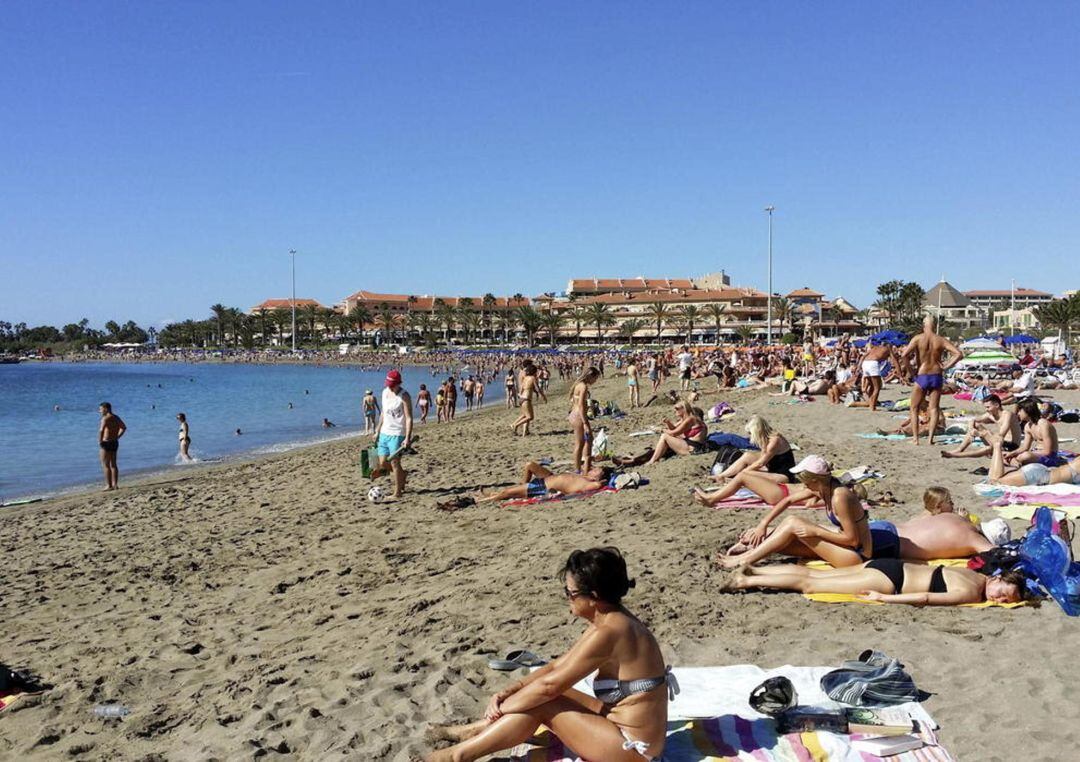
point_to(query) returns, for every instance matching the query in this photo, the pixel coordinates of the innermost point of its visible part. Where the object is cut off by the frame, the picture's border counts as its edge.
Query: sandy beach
(266, 608)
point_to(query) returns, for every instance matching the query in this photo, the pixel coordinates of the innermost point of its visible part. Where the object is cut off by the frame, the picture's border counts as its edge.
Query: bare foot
(453, 733)
(946, 454)
(700, 497)
(728, 562)
(738, 549)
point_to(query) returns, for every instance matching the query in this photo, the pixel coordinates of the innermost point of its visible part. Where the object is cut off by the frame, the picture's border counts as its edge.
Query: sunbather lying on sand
(540, 481)
(888, 580)
(940, 533)
(1031, 474)
(626, 721)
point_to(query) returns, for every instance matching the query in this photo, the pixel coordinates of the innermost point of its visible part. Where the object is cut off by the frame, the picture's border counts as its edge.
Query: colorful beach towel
(1024, 511)
(710, 720)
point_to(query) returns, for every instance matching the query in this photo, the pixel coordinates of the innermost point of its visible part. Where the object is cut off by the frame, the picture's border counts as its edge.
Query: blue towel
(721, 438)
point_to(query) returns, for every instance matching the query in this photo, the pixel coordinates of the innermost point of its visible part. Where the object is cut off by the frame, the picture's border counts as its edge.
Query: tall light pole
(768, 309)
(292, 257)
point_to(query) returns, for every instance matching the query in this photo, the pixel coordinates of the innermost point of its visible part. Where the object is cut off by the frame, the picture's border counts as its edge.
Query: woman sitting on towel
(888, 580)
(626, 721)
(686, 436)
(853, 539)
(773, 458)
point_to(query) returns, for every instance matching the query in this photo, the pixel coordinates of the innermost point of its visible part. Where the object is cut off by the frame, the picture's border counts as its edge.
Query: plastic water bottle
(111, 711)
(365, 464)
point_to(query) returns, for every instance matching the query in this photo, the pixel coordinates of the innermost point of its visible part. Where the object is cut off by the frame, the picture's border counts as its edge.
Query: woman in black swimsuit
(888, 580)
(773, 459)
(625, 721)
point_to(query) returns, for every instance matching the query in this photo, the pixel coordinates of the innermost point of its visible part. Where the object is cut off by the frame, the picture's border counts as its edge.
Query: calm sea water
(43, 451)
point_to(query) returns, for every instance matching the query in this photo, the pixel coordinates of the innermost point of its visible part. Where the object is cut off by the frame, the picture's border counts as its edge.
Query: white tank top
(393, 414)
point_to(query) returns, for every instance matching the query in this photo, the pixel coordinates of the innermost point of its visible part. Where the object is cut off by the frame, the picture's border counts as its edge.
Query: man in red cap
(394, 430)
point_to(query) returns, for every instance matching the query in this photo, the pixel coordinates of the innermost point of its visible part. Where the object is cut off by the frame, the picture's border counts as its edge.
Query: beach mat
(710, 720)
(849, 598)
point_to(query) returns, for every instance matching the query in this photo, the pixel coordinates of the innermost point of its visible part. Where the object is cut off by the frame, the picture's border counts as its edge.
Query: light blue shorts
(389, 444)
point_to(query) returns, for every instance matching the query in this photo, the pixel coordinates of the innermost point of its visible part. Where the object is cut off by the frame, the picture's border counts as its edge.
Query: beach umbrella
(1021, 338)
(896, 338)
(980, 343)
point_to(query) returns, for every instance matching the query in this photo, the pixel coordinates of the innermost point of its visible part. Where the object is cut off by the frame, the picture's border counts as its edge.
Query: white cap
(996, 531)
(813, 464)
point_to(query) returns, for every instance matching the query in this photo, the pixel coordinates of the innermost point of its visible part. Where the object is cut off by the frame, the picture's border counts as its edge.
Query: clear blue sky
(156, 158)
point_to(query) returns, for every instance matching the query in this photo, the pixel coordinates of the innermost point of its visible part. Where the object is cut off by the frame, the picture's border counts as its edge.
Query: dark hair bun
(600, 572)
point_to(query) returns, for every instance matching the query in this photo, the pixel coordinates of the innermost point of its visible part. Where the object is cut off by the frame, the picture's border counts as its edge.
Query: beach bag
(601, 446)
(725, 456)
(875, 679)
(1048, 558)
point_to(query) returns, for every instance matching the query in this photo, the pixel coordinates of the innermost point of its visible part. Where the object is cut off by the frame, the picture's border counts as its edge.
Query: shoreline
(156, 475)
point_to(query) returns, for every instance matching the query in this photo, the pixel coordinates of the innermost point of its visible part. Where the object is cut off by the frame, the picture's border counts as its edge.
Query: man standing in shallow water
(109, 433)
(929, 349)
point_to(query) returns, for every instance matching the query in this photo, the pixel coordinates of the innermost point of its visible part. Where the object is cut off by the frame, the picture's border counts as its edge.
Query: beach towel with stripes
(711, 720)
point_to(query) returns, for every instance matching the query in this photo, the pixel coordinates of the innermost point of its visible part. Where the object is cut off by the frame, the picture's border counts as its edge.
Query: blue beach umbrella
(1021, 338)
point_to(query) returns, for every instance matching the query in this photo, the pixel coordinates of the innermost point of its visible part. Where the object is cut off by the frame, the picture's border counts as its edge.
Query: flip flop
(519, 659)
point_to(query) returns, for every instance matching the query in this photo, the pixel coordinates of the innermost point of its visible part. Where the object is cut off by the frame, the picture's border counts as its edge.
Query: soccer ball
(375, 494)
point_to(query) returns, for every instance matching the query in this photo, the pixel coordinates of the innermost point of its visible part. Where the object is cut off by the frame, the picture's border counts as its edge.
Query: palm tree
(835, 313)
(628, 328)
(552, 322)
(658, 312)
(718, 312)
(507, 321)
(469, 321)
(446, 315)
(745, 332)
(1060, 314)
(424, 324)
(359, 316)
(220, 311)
(331, 322)
(310, 314)
(530, 320)
(690, 314)
(283, 318)
(577, 314)
(599, 315)
(783, 310)
(487, 304)
(384, 320)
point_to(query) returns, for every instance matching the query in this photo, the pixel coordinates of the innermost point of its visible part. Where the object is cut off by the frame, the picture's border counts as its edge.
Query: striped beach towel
(731, 738)
(707, 722)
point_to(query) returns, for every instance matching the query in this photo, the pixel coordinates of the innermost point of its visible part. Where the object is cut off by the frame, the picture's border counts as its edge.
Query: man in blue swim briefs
(540, 481)
(929, 350)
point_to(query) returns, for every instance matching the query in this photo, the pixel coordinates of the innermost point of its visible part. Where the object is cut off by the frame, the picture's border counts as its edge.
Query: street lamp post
(768, 309)
(292, 257)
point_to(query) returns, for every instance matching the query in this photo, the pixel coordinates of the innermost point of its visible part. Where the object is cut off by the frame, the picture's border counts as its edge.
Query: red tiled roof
(629, 284)
(1007, 292)
(689, 296)
(804, 291)
(274, 304)
(427, 303)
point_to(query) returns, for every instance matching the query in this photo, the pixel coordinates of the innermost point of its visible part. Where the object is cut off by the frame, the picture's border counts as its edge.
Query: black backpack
(726, 455)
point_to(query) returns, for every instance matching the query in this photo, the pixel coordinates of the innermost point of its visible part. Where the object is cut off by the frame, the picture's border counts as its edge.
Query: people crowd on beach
(877, 560)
